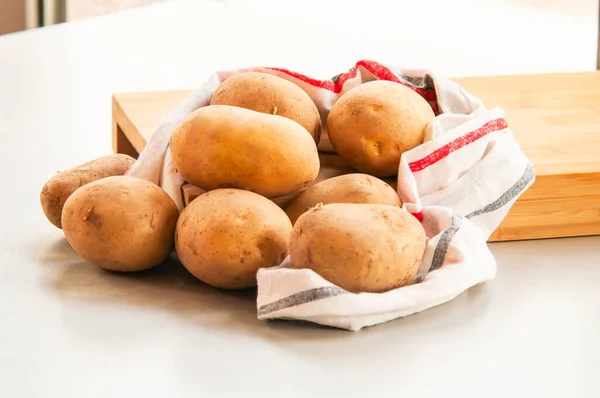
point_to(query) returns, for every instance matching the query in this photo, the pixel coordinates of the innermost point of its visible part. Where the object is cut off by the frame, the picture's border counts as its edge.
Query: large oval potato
(270, 94)
(223, 146)
(224, 236)
(56, 191)
(121, 223)
(359, 247)
(349, 188)
(373, 124)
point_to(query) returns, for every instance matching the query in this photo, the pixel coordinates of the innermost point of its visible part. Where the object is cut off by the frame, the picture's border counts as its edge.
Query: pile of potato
(269, 192)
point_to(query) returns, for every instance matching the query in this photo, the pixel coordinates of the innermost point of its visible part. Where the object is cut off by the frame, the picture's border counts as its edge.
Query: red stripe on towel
(418, 215)
(375, 68)
(441, 153)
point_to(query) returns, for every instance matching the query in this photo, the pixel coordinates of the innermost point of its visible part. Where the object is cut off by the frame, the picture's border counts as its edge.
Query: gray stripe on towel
(439, 255)
(304, 297)
(514, 191)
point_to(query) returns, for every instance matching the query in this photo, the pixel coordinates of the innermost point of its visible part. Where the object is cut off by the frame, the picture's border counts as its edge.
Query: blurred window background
(18, 15)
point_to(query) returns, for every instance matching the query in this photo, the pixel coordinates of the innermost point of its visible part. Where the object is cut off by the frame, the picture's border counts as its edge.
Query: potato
(371, 125)
(121, 223)
(270, 94)
(224, 236)
(349, 188)
(223, 146)
(331, 165)
(56, 191)
(359, 247)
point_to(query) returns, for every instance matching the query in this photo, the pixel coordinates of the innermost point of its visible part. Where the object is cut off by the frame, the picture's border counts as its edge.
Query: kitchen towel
(460, 184)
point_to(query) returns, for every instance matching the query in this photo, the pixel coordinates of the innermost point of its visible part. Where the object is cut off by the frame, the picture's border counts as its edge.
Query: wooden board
(556, 119)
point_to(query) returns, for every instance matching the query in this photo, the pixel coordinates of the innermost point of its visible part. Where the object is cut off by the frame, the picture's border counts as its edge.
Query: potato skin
(359, 247)
(373, 124)
(222, 146)
(265, 93)
(58, 188)
(224, 236)
(331, 166)
(349, 188)
(121, 223)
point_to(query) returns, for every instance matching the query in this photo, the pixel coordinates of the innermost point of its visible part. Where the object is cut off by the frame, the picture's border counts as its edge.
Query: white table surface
(68, 329)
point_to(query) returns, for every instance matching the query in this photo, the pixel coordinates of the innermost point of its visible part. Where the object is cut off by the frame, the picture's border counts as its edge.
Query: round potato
(56, 191)
(359, 247)
(224, 236)
(121, 223)
(349, 188)
(373, 124)
(223, 146)
(270, 94)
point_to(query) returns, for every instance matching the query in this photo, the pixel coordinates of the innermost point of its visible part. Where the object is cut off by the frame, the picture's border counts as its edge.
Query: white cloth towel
(460, 183)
